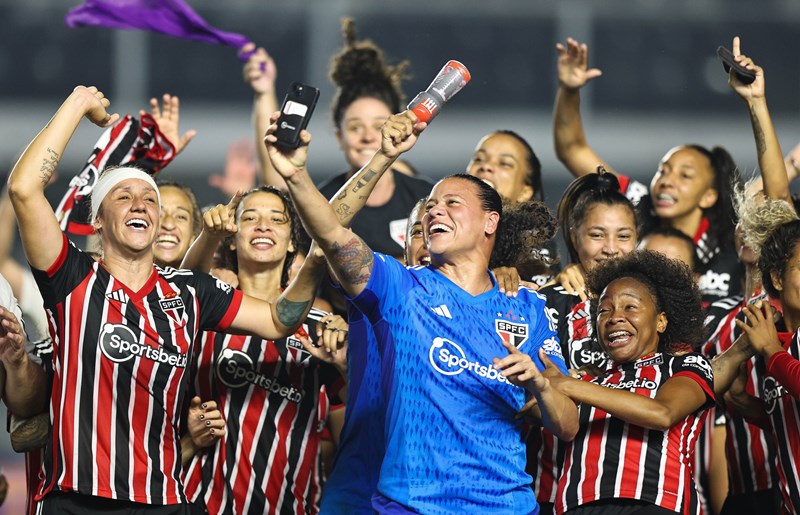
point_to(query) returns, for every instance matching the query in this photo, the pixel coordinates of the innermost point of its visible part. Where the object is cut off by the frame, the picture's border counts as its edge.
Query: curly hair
(722, 215)
(583, 193)
(359, 71)
(673, 289)
(228, 257)
(776, 252)
(525, 228)
(759, 216)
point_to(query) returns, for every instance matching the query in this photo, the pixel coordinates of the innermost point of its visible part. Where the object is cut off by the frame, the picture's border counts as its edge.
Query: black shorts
(765, 501)
(620, 507)
(70, 503)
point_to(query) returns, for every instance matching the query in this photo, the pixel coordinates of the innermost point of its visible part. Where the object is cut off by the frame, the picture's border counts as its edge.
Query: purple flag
(170, 17)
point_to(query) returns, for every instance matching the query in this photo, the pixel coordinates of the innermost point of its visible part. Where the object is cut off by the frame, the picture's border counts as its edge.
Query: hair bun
(606, 180)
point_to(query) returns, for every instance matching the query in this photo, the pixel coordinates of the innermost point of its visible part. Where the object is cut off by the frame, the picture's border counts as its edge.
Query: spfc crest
(173, 308)
(512, 332)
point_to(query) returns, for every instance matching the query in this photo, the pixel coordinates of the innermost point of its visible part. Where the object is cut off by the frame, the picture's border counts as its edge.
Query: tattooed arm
(349, 257)
(774, 180)
(37, 223)
(398, 135)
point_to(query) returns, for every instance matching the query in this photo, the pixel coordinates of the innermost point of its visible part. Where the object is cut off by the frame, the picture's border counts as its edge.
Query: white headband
(109, 180)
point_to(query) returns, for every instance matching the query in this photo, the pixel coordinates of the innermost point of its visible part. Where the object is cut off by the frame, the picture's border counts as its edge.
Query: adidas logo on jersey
(118, 295)
(442, 311)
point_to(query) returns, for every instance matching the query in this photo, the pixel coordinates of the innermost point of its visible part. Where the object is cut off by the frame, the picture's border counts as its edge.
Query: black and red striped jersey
(784, 413)
(610, 458)
(268, 393)
(574, 326)
(119, 375)
(749, 449)
(720, 271)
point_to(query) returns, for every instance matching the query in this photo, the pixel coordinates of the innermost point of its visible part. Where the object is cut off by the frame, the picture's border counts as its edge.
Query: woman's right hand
(571, 278)
(573, 65)
(95, 105)
(399, 133)
(220, 221)
(290, 163)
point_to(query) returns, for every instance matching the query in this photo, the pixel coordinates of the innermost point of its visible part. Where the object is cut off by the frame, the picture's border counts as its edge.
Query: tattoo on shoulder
(290, 312)
(355, 261)
(365, 180)
(49, 165)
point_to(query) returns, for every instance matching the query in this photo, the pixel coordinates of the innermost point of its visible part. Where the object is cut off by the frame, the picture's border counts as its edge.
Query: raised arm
(37, 223)
(260, 73)
(570, 141)
(774, 178)
(349, 257)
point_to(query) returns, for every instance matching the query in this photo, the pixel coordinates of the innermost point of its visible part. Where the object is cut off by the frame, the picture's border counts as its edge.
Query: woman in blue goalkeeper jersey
(453, 442)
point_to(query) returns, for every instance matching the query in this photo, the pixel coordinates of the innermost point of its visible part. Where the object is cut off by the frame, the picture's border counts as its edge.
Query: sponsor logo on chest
(235, 369)
(773, 391)
(120, 344)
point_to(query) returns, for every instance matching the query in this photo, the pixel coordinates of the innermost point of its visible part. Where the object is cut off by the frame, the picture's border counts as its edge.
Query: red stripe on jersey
(784, 412)
(233, 310)
(748, 448)
(61, 257)
(610, 458)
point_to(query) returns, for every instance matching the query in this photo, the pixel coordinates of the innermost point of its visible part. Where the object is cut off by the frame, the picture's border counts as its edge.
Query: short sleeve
(696, 367)
(219, 302)
(544, 336)
(387, 283)
(64, 275)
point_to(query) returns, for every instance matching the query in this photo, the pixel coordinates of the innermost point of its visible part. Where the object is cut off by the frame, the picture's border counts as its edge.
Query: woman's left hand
(760, 328)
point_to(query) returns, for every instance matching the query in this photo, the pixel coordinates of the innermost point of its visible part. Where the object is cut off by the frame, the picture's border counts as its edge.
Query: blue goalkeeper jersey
(452, 441)
(354, 477)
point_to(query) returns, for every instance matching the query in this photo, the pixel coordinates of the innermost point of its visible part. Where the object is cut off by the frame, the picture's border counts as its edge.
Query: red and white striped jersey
(749, 449)
(610, 458)
(574, 326)
(268, 393)
(784, 413)
(119, 375)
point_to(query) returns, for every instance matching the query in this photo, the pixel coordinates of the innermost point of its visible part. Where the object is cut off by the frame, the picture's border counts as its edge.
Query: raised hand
(168, 117)
(292, 162)
(95, 104)
(748, 92)
(573, 65)
(220, 221)
(399, 133)
(240, 169)
(205, 423)
(259, 71)
(760, 328)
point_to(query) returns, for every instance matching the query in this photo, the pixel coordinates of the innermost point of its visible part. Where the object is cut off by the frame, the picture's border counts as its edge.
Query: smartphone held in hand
(295, 113)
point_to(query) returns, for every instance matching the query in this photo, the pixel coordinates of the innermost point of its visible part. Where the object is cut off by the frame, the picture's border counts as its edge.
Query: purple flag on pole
(170, 17)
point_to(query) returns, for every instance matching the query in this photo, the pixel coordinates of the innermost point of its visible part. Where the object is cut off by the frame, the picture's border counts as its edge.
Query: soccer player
(123, 330)
(639, 421)
(453, 442)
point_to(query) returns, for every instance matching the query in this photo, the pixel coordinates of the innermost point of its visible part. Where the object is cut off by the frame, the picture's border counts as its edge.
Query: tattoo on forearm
(343, 211)
(342, 195)
(355, 261)
(758, 132)
(49, 164)
(290, 312)
(364, 181)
